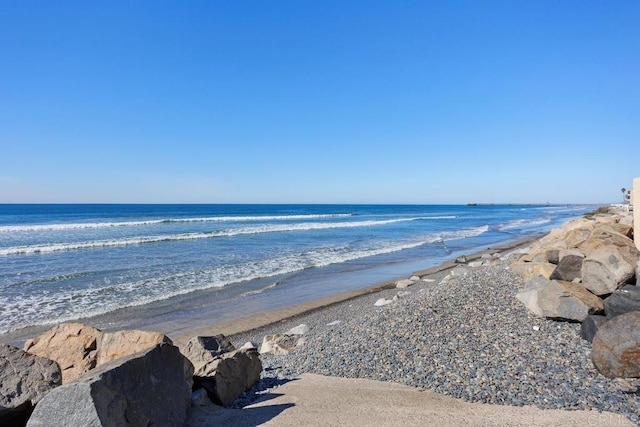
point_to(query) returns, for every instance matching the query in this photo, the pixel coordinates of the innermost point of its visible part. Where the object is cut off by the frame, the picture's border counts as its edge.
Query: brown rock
(113, 345)
(71, 345)
(616, 347)
(532, 269)
(578, 236)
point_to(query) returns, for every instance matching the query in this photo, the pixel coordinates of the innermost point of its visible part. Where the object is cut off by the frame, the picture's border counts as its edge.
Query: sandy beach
(459, 334)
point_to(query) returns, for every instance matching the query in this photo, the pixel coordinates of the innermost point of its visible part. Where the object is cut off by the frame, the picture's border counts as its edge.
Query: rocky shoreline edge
(461, 332)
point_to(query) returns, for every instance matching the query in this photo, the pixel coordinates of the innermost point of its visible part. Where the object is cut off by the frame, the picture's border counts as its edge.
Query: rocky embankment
(588, 271)
(77, 375)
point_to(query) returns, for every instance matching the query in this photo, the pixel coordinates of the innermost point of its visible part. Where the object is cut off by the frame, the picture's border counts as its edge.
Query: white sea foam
(267, 228)
(90, 225)
(31, 308)
(524, 223)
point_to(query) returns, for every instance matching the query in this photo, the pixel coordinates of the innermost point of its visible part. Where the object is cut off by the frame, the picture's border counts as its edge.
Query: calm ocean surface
(63, 262)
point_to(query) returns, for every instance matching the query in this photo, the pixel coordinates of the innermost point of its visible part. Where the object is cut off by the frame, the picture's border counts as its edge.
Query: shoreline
(254, 322)
(182, 328)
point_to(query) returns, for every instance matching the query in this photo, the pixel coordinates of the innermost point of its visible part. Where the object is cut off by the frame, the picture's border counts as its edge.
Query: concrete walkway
(315, 400)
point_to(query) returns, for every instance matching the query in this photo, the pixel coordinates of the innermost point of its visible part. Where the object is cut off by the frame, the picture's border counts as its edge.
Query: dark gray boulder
(24, 380)
(142, 389)
(569, 268)
(229, 375)
(624, 300)
(553, 256)
(616, 347)
(590, 326)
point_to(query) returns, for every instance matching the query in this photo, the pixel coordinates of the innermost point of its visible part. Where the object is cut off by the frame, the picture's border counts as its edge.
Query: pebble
(466, 337)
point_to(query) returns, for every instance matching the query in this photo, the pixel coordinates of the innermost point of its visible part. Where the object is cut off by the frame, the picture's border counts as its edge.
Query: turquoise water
(64, 262)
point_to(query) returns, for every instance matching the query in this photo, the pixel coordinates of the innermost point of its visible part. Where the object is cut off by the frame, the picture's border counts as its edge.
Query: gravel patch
(464, 336)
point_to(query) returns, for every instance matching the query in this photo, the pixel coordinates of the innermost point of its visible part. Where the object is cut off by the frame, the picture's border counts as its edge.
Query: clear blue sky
(319, 101)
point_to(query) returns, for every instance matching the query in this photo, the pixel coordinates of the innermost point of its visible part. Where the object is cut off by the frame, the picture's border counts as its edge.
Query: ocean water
(65, 262)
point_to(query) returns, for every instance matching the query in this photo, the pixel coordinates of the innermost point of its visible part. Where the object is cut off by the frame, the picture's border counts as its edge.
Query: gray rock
(461, 259)
(623, 300)
(553, 256)
(24, 380)
(608, 268)
(558, 299)
(72, 345)
(616, 347)
(202, 351)
(590, 326)
(298, 330)
(230, 374)
(569, 268)
(146, 388)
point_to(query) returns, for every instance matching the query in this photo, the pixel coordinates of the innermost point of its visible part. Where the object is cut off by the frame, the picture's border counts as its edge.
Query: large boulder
(203, 351)
(113, 345)
(142, 389)
(590, 326)
(24, 380)
(616, 347)
(605, 236)
(624, 300)
(609, 267)
(229, 375)
(569, 268)
(578, 236)
(559, 299)
(72, 345)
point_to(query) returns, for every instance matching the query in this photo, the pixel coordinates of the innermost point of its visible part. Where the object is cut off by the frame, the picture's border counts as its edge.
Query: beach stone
(298, 330)
(203, 351)
(24, 380)
(590, 326)
(141, 389)
(72, 345)
(229, 375)
(475, 264)
(529, 270)
(569, 268)
(414, 278)
(404, 283)
(623, 300)
(559, 300)
(279, 344)
(113, 345)
(609, 267)
(382, 301)
(461, 259)
(616, 347)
